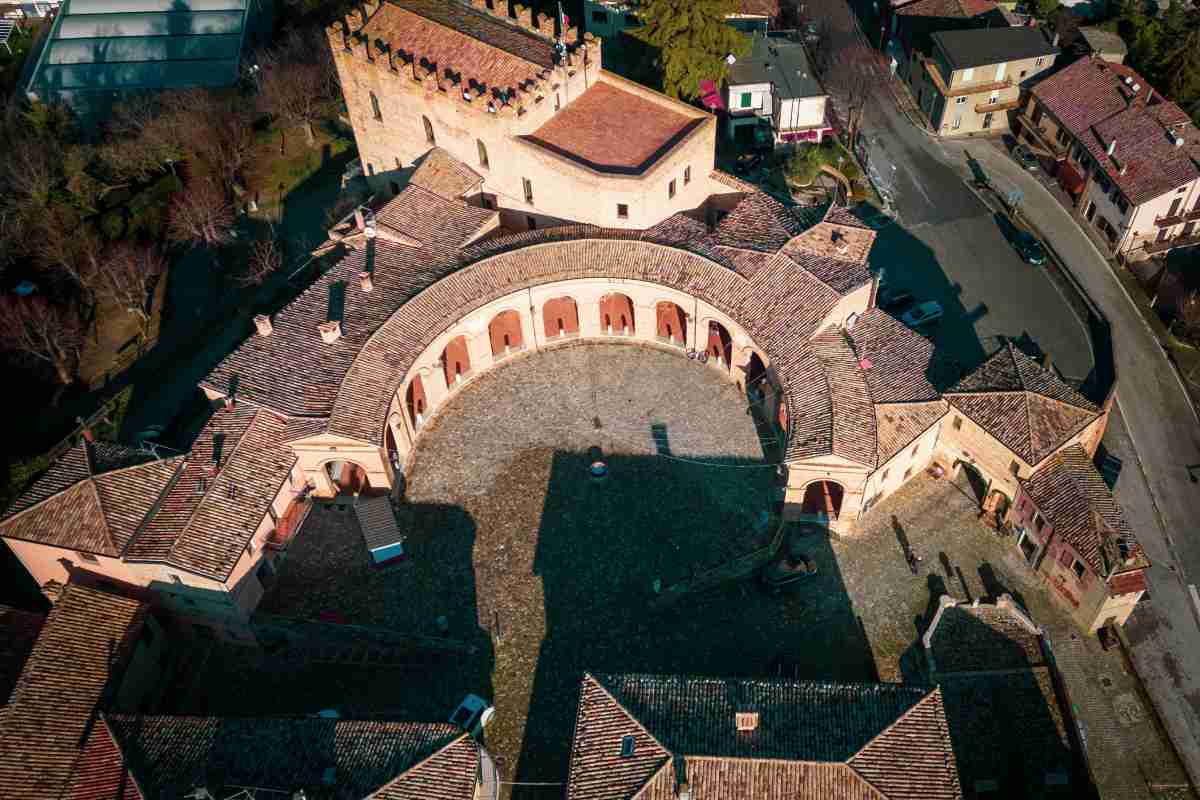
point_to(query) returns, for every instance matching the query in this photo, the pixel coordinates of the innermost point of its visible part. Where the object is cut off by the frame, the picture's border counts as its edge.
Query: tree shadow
(601, 545)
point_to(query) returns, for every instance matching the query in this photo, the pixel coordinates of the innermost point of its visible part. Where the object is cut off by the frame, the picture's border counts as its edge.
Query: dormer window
(628, 746)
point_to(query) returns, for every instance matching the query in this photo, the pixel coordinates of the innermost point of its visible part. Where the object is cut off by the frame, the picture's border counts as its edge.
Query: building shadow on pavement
(601, 547)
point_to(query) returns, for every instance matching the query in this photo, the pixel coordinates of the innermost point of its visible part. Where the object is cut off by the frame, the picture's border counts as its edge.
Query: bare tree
(225, 134)
(68, 246)
(34, 327)
(851, 81)
(126, 276)
(147, 136)
(30, 169)
(265, 259)
(200, 215)
(296, 80)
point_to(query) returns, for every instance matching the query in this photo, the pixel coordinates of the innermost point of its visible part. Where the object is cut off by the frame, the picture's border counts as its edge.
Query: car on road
(926, 313)
(1026, 158)
(1025, 243)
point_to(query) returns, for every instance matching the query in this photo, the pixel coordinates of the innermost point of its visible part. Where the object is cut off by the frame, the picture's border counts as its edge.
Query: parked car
(787, 570)
(472, 714)
(1026, 158)
(1025, 243)
(926, 313)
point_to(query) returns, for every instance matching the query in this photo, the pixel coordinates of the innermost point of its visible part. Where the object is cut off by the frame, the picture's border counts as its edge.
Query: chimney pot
(746, 720)
(330, 331)
(263, 323)
(1112, 147)
(359, 223)
(364, 279)
(684, 792)
(229, 401)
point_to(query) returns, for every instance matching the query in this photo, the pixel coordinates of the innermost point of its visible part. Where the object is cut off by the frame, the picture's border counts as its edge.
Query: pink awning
(710, 97)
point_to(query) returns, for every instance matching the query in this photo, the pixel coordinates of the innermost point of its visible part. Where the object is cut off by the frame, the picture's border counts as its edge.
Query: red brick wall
(616, 310)
(416, 399)
(456, 360)
(719, 342)
(672, 324)
(560, 314)
(505, 332)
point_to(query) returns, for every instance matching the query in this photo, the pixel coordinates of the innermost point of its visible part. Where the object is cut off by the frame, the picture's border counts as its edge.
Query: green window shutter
(746, 99)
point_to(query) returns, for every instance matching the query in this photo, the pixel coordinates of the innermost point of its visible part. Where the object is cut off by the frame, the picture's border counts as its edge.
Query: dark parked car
(1025, 243)
(1026, 158)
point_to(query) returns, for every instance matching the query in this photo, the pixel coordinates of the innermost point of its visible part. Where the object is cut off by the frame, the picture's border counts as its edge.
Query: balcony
(1172, 243)
(972, 88)
(1002, 105)
(1177, 218)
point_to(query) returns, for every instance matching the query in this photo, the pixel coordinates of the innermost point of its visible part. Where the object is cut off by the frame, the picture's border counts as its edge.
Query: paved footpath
(1163, 438)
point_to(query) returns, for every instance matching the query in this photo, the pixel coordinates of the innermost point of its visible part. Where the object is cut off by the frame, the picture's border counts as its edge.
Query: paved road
(1156, 431)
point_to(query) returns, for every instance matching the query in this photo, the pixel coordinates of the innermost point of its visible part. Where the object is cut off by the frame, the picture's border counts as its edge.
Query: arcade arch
(560, 317)
(671, 323)
(822, 500)
(720, 344)
(456, 360)
(616, 315)
(504, 331)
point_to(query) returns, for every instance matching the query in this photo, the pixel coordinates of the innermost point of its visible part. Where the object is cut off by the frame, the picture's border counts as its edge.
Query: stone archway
(504, 331)
(560, 316)
(346, 477)
(456, 360)
(671, 322)
(822, 500)
(616, 315)
(720, 344)
(414, 400)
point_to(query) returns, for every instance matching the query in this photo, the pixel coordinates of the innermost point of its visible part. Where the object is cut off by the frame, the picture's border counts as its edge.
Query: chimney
(359, 224)
(683, 792)
(229, 402)
(263, 324)
(330, 331)
(1112, 147)
(746, 720)
(364, 280)
(1054, 41)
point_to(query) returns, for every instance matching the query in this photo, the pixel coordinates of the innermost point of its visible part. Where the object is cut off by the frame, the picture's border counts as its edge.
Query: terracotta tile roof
(732, 181)
(1091, 99)
(74, 662)
(583, 130)
(79, 505)
(264, 367)
(812, 740)
(169, 756)
(999, 697)
(852, 428)
(1027, 408)
(205, 520)
(759, 222)
(899, 362)
(419, 291)
(463, 40)
(101, 773)
(1073, 497)
(897, 425)
(983, 637)
(18, 631)
(951, 9)
(444, 175)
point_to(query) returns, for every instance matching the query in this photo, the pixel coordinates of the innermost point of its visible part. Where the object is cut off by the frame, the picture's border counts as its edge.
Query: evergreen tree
(1179, 64)
(693, 40)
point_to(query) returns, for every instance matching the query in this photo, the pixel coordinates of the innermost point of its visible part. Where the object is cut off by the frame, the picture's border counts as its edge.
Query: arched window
(483, 159)
(429, 137)
(375, 108)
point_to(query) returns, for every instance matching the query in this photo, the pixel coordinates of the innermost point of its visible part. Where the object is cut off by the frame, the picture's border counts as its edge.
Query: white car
(473, 714)
(922, 314)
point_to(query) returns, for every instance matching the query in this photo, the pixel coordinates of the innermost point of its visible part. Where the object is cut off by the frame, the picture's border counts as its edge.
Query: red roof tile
(1094, 101)
(18, 632)
(583, 130)
(75, 660)
(813, 741)
(1027, 408)
(1074, 499)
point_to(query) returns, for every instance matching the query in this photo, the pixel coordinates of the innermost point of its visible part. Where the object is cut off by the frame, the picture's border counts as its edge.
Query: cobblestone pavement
(549, 573)
(1127, 751)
